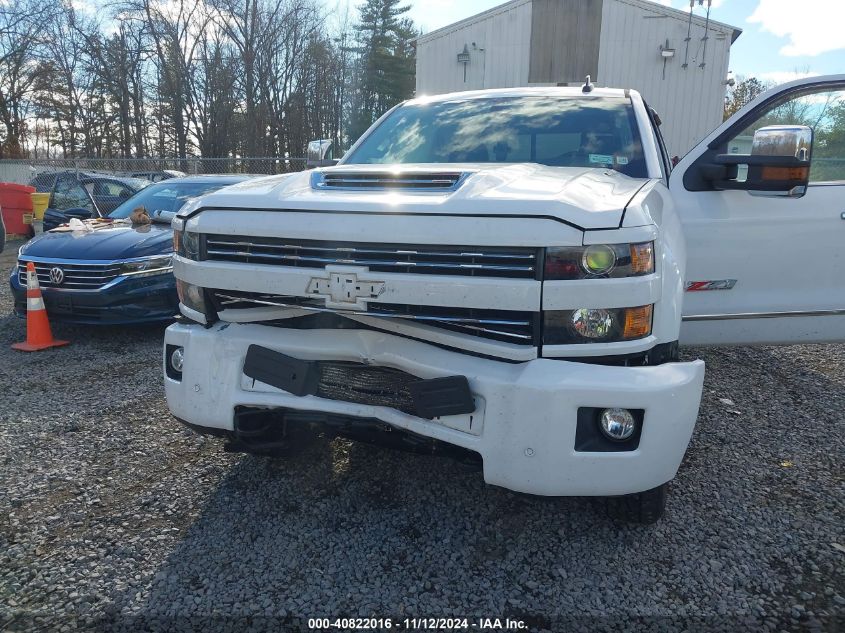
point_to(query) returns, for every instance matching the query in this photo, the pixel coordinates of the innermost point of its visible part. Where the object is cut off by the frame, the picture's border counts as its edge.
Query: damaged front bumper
(529, 419)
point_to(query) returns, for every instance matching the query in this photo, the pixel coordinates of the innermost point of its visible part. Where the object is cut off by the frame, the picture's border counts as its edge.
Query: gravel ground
(113, 516)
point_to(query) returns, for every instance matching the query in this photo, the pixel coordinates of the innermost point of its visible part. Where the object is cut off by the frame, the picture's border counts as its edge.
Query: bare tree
(214, 95)
(225, 78)
(20, 25)
(64, 86)
(175, 28)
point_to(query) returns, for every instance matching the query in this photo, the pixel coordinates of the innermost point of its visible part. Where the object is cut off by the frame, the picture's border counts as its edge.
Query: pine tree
(386, 62)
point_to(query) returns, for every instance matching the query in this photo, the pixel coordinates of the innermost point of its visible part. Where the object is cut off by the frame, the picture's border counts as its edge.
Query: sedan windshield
(559, 131)
(164, 198)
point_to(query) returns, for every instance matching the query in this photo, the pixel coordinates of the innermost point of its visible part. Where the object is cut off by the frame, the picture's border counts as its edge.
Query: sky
(781, 39)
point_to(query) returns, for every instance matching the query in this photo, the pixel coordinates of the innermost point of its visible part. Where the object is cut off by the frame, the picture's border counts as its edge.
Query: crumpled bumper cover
(525, 423)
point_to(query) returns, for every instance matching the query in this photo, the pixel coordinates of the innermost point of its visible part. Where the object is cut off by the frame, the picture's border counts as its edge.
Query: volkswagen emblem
(57, 276)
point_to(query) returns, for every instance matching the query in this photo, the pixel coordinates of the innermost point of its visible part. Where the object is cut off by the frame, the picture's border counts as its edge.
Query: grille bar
(503, 325)
(372, 251)
(517, 263)
(78, 276)
(369, 262)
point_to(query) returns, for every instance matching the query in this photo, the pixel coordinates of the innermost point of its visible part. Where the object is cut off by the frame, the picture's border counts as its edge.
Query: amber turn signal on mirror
(785, 173)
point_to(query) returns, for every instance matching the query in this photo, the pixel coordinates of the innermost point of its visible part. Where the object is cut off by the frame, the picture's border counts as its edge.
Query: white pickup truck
(508, 274)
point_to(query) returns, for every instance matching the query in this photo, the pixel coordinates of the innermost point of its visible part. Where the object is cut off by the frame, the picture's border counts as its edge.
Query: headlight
(596, 325)
(186, 244)
(599, 261)
(191, 296)
(149, 266)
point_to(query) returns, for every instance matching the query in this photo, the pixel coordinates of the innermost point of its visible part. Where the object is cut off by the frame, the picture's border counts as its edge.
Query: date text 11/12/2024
(416, 624)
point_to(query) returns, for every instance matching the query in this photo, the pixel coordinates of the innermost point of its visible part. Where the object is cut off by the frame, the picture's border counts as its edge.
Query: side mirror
(779, 163)
(320, 154)
(794, 141)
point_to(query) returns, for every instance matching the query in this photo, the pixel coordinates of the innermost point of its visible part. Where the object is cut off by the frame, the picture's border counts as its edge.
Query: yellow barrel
(40, 202)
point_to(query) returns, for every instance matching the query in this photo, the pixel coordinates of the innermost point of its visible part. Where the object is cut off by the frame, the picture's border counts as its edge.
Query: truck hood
(122, 242)
(587, 198)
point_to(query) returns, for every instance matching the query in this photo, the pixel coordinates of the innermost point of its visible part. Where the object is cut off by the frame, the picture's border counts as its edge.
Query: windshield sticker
(621, 160)
(601, 159)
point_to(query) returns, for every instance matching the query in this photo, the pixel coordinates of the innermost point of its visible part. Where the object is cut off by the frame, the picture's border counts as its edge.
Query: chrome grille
(472, 261)
(502, 325)
(379, 181)
(82, 276)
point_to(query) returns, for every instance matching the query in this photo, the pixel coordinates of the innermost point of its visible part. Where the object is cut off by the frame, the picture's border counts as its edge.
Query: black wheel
(641, 507)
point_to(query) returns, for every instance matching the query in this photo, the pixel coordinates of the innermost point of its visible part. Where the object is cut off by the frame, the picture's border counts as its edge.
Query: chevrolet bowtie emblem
(344, 291)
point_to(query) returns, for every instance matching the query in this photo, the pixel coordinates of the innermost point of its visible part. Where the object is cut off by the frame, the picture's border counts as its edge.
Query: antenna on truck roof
(588, 86)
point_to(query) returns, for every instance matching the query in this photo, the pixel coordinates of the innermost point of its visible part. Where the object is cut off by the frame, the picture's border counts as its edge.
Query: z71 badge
(713, 284)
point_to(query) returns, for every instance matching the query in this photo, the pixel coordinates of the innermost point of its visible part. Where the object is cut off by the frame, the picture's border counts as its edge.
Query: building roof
(646, 5)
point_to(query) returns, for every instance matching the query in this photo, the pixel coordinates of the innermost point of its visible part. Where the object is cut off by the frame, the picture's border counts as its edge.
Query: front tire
(645, 507)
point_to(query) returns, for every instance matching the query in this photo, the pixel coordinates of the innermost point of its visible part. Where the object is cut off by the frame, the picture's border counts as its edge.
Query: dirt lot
(113, 516)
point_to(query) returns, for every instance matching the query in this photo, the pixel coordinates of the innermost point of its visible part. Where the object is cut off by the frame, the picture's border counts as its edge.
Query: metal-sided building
(677, 60)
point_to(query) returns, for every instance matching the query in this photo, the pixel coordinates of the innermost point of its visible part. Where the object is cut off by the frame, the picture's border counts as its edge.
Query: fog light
(177, 359)
(617, 424)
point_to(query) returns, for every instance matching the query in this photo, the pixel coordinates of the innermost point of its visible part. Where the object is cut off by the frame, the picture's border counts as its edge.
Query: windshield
(558, 131)
(164, 198)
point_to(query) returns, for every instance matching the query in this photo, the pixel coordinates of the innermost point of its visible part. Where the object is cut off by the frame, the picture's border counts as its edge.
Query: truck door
(762, 203)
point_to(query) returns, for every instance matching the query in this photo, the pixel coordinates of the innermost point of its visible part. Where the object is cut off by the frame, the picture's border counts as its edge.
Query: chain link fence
(24, 170)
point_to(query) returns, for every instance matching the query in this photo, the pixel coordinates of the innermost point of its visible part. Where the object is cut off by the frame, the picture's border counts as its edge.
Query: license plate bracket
(284, 372)
(438, 397)
(431, 398)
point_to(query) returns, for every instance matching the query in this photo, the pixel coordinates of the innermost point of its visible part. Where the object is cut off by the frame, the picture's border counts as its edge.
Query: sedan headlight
(599, 261)
(596, 325)
(148, 266)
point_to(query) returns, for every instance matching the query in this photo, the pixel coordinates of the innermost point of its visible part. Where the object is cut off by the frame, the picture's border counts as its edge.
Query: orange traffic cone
(38, 334)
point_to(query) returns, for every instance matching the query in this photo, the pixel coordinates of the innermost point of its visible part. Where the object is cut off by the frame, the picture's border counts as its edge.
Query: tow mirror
(779, 163)
(783, 140)
(320, 154)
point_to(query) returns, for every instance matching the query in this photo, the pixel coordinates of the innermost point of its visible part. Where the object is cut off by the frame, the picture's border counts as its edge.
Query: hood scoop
(387, 180)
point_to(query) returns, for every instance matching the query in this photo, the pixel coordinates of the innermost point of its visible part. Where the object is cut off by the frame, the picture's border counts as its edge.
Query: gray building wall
(689, 100)
(565, 37)
(498, 42)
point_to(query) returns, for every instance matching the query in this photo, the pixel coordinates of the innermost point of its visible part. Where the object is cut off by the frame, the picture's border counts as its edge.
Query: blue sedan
(119, 274)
